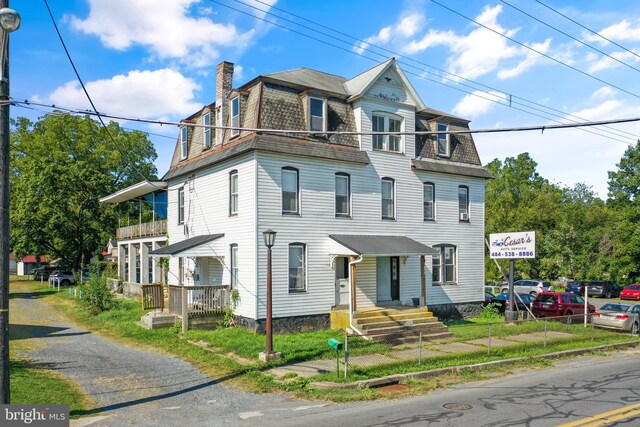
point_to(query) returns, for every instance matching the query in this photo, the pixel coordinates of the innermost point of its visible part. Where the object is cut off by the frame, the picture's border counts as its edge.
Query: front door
(395, 278)
(388, 278)
(342, 281)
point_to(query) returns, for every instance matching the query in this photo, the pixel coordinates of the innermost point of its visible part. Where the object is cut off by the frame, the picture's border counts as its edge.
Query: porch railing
(201, 301)
(152, 297)
(146, 229)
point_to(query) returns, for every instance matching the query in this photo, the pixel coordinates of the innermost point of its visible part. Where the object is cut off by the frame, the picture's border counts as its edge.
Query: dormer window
(206, 120)
(235, 116)
(385, 122)
(443, 140)
(317, 114)
(183, 143)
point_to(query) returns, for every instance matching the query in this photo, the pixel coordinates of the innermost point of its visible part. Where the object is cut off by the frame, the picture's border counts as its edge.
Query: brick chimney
(224, 82)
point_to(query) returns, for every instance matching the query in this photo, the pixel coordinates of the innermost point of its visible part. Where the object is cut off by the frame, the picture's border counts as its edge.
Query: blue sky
(156, 59)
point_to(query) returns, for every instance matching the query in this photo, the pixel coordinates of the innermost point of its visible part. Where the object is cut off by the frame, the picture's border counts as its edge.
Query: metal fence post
(545, 333)
(346, 354)
(489, 344)
(420, 351)
(593, 332)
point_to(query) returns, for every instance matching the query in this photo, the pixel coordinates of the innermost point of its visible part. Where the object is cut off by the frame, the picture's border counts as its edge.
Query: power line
(535, 50)
(588, 29)
(570, 36)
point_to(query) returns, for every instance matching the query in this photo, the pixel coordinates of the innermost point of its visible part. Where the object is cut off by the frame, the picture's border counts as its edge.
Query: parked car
(488, 296)
(42, 273)
(631, 292)
(529, 286)
(575, 287)
(556, 304)
(602, 289)
(65, 277)
(620, 316)
(502, 301)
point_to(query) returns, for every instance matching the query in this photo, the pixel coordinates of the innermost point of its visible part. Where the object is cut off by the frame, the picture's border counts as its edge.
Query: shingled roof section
(304, 78)
(463, 149)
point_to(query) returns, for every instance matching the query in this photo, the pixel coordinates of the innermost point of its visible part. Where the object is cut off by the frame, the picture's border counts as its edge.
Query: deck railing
(201, 301)
(146, 229)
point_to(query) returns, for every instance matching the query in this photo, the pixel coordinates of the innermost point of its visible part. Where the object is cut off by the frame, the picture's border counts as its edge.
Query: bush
(491, 312)
(96, 294)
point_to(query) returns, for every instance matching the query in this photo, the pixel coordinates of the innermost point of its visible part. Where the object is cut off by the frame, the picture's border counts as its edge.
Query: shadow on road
(19, 332)
(31, 295)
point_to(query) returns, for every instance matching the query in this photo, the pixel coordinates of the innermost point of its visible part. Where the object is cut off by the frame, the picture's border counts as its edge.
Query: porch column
(423, 282)
(353, 286)
(122, 261)
(132, 264)
(156, 270)
(144, 264)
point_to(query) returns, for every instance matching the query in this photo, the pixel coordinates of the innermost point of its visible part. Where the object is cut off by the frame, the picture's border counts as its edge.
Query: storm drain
(457, 406)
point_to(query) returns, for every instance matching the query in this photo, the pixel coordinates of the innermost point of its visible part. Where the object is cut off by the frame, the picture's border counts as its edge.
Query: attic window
(386, 122)
(235, 116)
(183, 142)
(443, 140)
(206, 120)
(317, 116)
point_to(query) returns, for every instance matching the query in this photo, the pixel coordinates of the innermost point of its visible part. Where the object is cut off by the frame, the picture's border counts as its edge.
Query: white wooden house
(361, 220)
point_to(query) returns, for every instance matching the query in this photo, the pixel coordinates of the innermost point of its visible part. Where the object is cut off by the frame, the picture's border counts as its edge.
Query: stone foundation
(286, 325)
(456, 311)
(131, 290)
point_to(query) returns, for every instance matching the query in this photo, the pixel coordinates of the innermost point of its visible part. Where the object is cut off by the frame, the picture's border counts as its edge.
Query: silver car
(620, 316)
(529, 286)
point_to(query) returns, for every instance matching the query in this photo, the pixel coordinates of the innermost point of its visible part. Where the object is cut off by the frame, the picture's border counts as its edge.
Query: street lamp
(9, 21)
(268, 355)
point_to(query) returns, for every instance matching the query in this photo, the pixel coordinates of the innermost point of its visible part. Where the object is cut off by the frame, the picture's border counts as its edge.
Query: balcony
(146, 229)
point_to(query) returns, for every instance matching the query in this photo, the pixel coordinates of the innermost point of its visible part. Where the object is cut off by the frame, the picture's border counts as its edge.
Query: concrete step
(397, 339)
(437, 328)
(395, 319)
(392, 312)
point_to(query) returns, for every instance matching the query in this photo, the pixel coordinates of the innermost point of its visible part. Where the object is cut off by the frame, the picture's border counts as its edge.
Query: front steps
(401, 325)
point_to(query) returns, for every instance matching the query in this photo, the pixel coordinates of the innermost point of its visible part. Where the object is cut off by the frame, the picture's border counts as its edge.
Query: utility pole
(9, 21)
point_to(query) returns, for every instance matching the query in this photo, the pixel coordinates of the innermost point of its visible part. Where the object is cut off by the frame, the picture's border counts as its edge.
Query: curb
(399, 378)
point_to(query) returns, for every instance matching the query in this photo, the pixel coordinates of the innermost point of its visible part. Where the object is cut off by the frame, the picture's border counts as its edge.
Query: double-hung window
(181, 206)
(206, 134)
(429, 201)
(317, 107)
(233, 256)
(443, 140)
(233, 192)
(297, 267)
(444, 265)
(235, 116)
(343, 195)
(386, 123)
(183, 143)
(463, 202)
(290, 191)
(388, 198)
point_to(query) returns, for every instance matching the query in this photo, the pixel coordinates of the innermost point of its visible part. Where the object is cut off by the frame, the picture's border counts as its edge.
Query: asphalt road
(569, 391)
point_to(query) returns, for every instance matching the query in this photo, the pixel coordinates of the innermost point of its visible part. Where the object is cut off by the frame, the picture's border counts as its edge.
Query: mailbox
(337, 345)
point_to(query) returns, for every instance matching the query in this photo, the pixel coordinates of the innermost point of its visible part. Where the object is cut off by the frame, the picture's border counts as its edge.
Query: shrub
(96, 295)
(490, 312)
(229, 321)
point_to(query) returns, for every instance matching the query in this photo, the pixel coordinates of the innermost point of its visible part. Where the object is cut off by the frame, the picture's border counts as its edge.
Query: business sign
(521, 244)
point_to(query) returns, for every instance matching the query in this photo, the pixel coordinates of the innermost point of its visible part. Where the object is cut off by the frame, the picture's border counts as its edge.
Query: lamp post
(268, 355)
(9, 21)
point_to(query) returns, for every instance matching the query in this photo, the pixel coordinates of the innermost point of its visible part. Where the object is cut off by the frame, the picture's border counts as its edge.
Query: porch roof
(134, 191)
(375, 245)
(186, 245)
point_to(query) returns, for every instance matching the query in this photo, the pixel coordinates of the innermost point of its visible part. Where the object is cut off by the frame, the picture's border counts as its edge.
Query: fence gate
(152, 297)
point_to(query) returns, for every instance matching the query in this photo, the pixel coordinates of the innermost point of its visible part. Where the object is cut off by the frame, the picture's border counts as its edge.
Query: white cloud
(600, 63)
(134, 95)
(478, 103)
(622, 31)
(407, 26)
(606, 110)
(163, 27)
(530, 60)
(603, 92)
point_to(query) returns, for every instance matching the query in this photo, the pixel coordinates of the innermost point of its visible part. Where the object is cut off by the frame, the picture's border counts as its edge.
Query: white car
(529, 286)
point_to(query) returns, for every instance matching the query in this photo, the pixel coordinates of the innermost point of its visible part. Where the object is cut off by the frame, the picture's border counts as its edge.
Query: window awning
(374, 245)
(195, 246)
(134, 191)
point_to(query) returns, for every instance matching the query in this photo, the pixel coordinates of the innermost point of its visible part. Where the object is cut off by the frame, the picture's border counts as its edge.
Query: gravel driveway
(137, 387)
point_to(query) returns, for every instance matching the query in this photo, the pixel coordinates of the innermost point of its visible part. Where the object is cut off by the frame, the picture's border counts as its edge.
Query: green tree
(61, 166)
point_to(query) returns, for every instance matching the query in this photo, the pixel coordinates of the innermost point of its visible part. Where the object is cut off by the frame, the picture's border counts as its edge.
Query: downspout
(351, 286)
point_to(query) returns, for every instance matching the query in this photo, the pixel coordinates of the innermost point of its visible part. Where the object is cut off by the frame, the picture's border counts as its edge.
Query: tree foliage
(61, 166)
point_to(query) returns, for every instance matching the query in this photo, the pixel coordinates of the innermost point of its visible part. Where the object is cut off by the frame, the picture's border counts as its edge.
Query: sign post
(521, 244)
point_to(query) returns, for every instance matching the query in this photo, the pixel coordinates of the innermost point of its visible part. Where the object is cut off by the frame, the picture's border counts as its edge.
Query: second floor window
(233, 192)
(317, 114)
(387, 123)
(463, 202)
(444, 148)
(297, 267)
(235, 116)
(290, 199)
(429, 210)
(343, 195)
(206, 120)
(183, 143)
(233, 255)
(388, 198)
(181, 206)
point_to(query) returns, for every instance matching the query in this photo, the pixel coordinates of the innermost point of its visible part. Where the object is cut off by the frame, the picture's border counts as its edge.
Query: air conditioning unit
(464, 217)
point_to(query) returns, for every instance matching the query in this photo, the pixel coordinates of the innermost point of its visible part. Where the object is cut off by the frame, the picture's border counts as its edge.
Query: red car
(631, 292)
(557, 304)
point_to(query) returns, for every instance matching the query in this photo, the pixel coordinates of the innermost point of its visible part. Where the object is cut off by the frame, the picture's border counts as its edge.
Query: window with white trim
(181, 206)
(206, 133)
(233, 192)
(343, 195)
(444, 266)
(429, 201)
(463, 203)
(235, 116)
(388, 198)
(297, 267)
(233, 257)
(443, 141)
(290, 191)
(183, 143)
(385, 122)
(317, 114)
